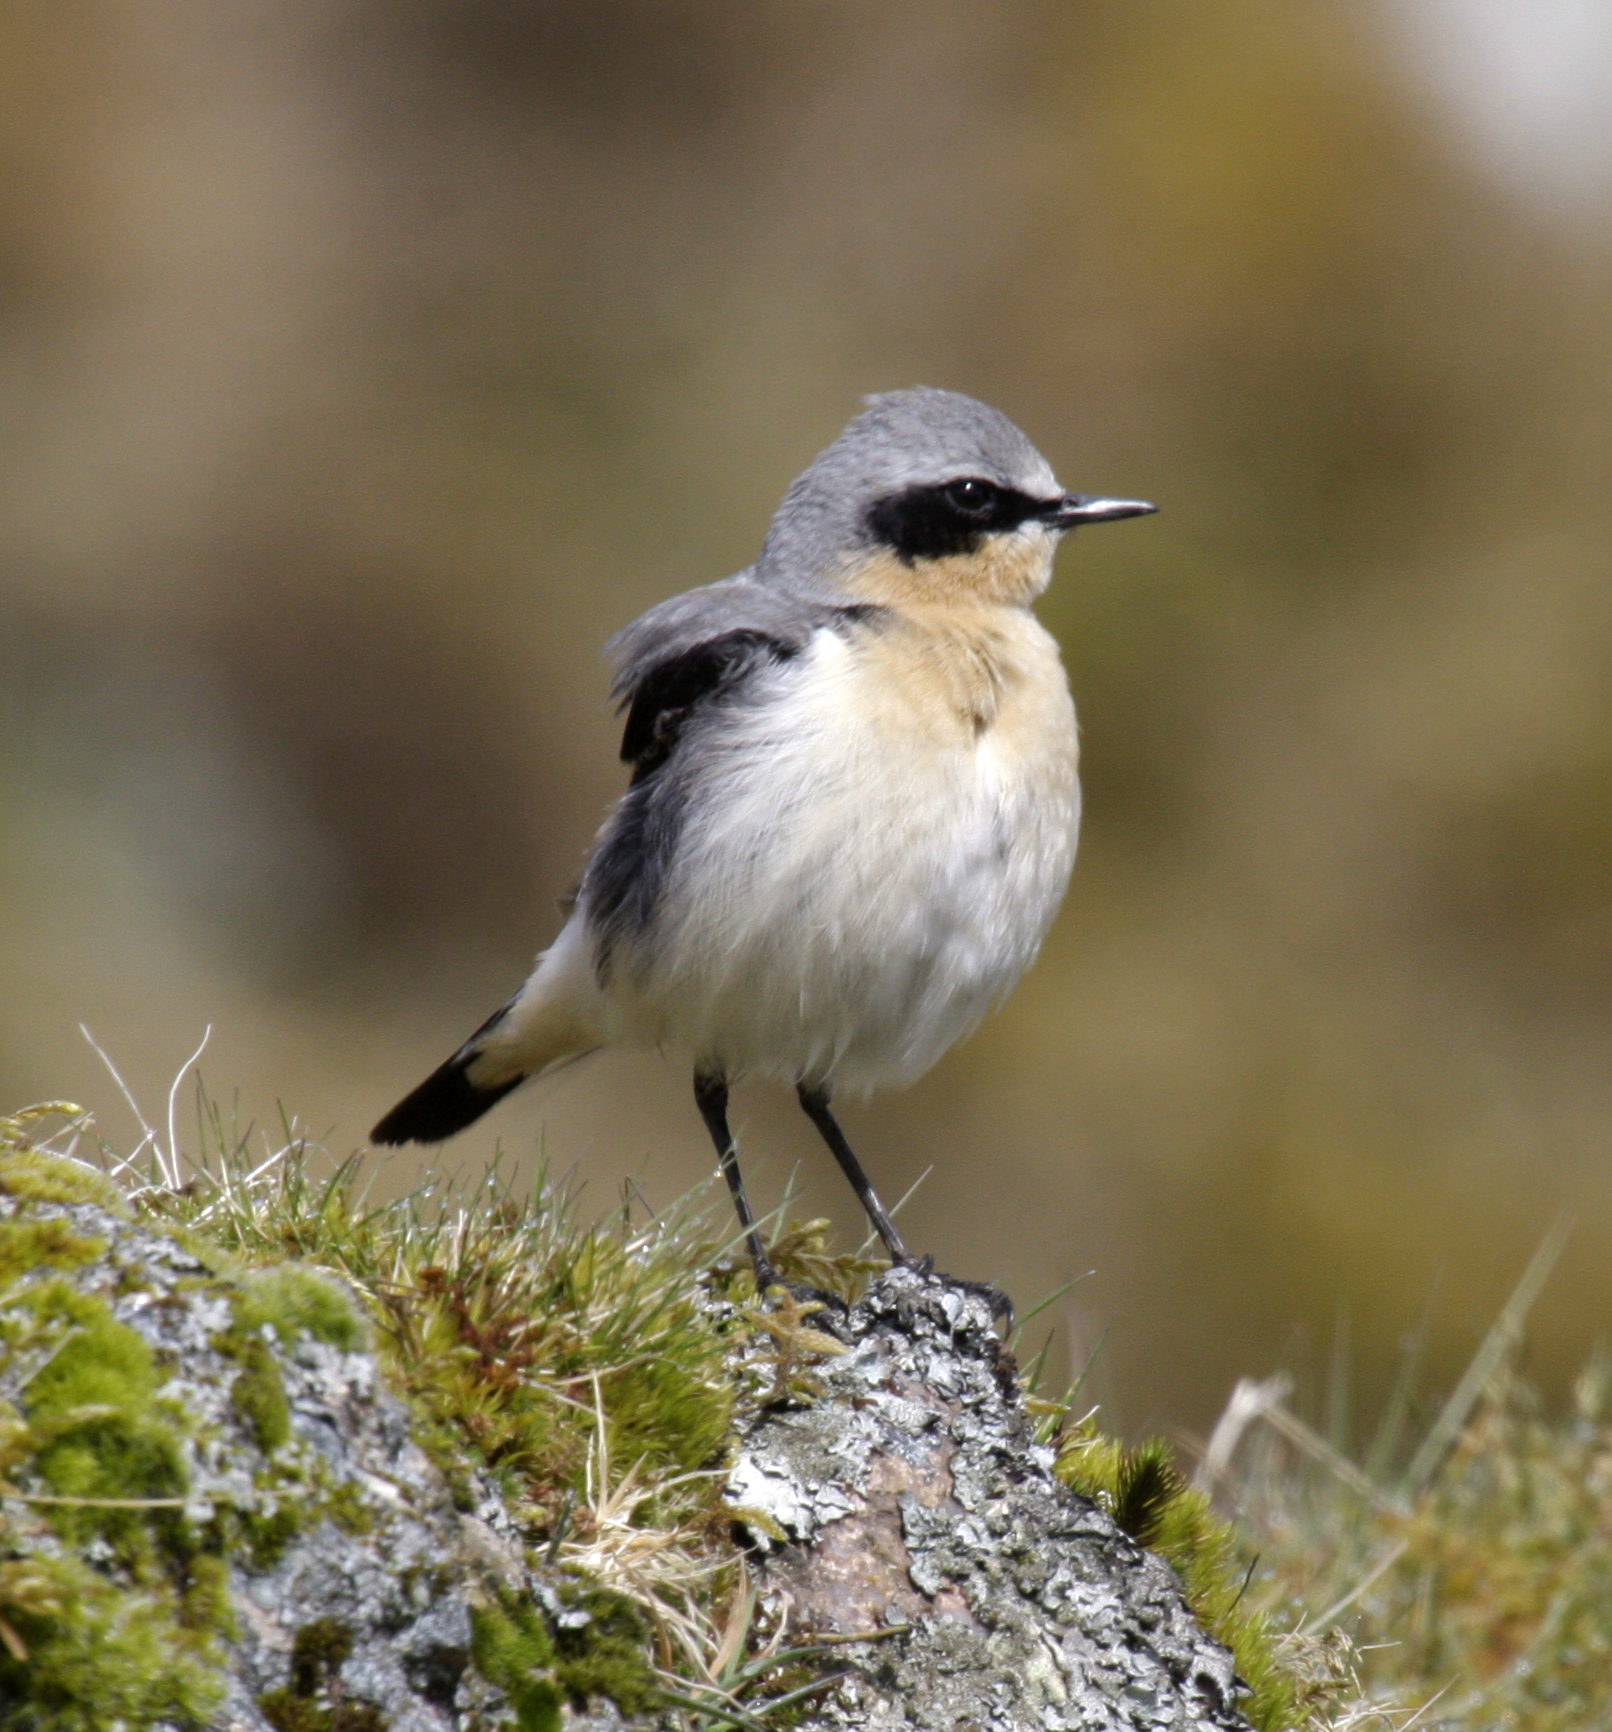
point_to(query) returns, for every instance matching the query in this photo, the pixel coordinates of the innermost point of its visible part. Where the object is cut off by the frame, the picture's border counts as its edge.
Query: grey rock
(914, 1505)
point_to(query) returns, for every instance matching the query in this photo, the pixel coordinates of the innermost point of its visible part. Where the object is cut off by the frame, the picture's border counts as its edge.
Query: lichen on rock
(911, 1506)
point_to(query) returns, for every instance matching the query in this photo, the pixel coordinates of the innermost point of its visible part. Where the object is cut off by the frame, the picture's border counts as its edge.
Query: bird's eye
(971, 497)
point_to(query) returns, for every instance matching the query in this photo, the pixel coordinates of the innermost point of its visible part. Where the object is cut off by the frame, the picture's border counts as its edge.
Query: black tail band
(442, 1105)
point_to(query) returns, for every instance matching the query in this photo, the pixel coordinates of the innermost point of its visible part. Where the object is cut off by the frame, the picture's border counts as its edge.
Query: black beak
(1078, 508)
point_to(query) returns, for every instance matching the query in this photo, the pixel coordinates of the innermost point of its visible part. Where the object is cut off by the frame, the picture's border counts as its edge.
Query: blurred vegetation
(1460, 1558)
(362, 367)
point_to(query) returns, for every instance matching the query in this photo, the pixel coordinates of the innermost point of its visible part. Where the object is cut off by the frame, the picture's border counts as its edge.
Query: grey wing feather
(681, 624)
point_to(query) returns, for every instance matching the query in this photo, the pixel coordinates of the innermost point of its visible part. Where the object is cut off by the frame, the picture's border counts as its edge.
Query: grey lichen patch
(918, 1510)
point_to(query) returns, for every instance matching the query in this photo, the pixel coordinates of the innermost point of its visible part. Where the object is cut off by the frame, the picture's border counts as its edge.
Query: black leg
(711, 1095)
(815, 1101)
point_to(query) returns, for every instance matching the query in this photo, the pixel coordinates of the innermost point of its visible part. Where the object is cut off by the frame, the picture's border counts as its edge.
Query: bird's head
(928, 495)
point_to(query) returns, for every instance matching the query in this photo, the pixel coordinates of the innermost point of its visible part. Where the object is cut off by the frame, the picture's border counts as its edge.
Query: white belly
(862, 872)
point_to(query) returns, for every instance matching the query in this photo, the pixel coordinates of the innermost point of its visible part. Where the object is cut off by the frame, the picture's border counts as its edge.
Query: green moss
(606, 1656)
(296, 1496)
(513, 1649)
(97, 1655)
(532, 1349)
(258, 1395)
(287, 1712)
(262, 1539)
(286, 1303)
(27, 1245)
(39, 1178)
(295, 1302)
(101, 1362)
(291, 1303)
(133, 1641)
(318, 1652)
(348, 1508)
(539, 1668)
(206, 1604)
(101, 1432)
(312, 1701)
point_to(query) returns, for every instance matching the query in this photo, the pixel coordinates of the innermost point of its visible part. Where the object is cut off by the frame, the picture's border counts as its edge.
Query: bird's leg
(815, 1101)
(711, 1096)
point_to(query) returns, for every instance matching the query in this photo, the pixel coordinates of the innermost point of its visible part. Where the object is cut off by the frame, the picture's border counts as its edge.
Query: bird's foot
(1001, 1306)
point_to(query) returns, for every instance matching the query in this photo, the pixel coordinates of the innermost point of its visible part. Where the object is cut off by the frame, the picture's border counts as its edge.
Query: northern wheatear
(853, 805)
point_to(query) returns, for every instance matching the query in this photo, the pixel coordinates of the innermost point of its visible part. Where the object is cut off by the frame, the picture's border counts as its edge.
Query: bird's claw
(1001, 1306)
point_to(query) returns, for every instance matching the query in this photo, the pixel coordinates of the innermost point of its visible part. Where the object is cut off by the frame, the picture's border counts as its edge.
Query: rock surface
(912, 1502)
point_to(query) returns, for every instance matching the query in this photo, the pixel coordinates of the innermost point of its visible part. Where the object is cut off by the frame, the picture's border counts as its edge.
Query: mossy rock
(227, 1519)
(214, 1513)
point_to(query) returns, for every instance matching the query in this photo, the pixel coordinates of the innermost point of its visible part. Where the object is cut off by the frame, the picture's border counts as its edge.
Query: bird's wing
(693, 651)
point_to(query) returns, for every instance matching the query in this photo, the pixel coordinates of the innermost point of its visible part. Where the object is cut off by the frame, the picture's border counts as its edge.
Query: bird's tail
(537, 1031)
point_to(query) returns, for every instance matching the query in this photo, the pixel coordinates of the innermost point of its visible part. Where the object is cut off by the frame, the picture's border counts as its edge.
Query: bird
(852, 804)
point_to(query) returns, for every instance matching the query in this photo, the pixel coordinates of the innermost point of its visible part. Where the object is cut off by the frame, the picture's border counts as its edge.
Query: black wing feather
(624, 879)
(669, 692)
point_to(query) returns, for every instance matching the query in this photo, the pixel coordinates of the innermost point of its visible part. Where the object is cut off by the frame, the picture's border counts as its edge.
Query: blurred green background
(364, 365)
